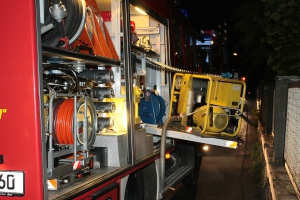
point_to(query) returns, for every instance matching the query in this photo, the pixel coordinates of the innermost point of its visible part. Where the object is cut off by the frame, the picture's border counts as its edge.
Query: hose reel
(74, 21)
(86, 120)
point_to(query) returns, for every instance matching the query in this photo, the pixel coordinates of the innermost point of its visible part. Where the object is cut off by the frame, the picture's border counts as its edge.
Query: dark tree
(269, 37)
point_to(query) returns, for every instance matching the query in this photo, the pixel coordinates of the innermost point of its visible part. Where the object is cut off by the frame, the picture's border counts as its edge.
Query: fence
(292, 134)
(279, 106)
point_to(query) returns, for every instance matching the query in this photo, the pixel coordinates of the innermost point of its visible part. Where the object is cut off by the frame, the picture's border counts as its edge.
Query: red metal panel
(20, 125)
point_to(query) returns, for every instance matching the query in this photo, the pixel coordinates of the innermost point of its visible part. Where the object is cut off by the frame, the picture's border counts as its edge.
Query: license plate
(11, 183)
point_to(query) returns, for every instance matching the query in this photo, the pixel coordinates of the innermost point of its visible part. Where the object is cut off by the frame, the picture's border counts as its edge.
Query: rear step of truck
(178, 175)
(172, 181)
(190, 134)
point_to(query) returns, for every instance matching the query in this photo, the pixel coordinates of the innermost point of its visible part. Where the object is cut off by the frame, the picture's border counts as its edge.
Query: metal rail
(194, 136)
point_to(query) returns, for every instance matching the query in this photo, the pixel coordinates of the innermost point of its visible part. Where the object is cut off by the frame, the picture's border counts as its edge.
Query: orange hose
(64, 122)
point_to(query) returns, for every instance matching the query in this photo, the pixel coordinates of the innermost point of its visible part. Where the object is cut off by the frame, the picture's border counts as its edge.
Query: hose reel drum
(86, 120)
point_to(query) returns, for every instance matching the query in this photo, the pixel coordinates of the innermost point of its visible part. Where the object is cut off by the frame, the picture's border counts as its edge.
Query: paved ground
(225, 173)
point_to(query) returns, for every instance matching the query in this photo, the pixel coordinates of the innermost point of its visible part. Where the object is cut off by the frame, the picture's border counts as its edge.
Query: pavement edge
(277, 184)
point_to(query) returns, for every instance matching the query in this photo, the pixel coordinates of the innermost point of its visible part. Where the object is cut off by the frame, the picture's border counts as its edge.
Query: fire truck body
(100, 94)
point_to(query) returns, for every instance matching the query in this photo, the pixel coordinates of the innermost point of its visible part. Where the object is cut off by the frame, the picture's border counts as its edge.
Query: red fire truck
(100, 101)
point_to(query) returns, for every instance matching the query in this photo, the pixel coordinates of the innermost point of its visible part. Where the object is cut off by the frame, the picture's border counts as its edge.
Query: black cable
(245, 153)
(70, 70)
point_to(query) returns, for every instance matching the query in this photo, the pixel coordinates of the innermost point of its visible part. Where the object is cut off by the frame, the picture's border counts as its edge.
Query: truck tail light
(167, 156)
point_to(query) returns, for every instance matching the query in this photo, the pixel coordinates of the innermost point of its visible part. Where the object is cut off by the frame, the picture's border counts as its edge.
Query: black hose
(76, 12)
(69, 69)
(60, 29)
(245, 153)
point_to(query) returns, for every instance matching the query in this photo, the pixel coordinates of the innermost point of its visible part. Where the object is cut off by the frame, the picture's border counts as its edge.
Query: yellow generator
(212, 104)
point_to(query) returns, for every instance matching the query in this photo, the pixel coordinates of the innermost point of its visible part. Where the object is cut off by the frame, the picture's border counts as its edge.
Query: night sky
(208, 14)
